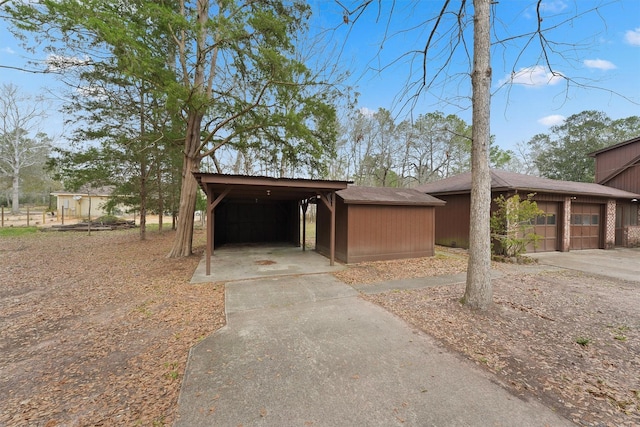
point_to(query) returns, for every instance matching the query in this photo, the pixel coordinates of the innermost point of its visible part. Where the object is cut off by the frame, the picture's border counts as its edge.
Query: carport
(258, 209)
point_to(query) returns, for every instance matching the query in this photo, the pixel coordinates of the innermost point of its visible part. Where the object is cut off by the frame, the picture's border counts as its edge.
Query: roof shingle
(387, 196)
(504, 181)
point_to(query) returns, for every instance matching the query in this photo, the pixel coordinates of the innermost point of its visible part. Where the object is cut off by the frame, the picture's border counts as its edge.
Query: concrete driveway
(618, 263)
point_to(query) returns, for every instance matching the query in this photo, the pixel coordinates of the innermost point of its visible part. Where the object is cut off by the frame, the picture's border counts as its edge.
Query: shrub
(512, 225)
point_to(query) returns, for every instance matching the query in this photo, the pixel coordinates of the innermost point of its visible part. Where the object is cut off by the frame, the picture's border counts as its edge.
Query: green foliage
(563, 152)
(511, 224)
(583, 341)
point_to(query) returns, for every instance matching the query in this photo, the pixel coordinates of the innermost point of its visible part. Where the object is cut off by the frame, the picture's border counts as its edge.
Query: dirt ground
(95, 330)
(566, 338)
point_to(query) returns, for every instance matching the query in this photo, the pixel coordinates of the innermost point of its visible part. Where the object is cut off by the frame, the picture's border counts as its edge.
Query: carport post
(329, 201)
(304, 205)
(211, 205)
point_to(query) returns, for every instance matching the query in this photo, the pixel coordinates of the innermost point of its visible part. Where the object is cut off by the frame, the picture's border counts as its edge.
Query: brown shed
(375, 224)
(578, 215)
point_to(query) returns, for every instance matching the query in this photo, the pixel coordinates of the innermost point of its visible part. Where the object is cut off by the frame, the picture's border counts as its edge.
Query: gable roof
(387, 196)
(613, 147)
(505, 181)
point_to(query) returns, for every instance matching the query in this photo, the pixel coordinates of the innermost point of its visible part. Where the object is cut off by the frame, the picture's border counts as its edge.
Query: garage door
(585, 226)
(546, 226)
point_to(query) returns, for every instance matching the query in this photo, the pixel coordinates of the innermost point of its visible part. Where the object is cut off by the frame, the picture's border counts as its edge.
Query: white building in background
(85, 202)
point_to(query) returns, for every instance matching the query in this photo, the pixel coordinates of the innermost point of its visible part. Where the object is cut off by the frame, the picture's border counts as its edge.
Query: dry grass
(95, 330)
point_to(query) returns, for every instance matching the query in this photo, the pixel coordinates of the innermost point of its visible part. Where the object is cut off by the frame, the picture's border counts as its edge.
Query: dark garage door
(586, 226)
(546, 226)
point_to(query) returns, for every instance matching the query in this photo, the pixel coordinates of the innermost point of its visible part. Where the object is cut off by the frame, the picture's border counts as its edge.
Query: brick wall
(610, 225)
(632, 236)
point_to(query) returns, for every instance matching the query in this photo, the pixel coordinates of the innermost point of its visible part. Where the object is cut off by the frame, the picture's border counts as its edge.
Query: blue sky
(599, 52)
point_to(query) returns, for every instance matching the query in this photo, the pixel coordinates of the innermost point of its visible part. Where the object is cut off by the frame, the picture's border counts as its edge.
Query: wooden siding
(452, 221)
(608, 162)
(378, 232)
(628, 180)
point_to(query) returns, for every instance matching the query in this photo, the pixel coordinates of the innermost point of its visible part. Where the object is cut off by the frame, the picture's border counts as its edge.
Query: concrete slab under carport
(618, 263)
(242, 262)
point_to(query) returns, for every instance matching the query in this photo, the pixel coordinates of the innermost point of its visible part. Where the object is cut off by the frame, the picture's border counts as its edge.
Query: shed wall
(378, 232)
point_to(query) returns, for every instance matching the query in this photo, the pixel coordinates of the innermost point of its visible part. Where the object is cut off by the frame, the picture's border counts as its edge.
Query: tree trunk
(143, 200)
(182, 243)
(15, 194)
(479, 292)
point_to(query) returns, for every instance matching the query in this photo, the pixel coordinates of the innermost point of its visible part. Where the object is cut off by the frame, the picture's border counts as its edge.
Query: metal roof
(387, 196)
(505, 181)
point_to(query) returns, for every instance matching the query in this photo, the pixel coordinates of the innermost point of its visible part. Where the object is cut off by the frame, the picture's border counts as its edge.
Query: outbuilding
(258, 209)
(578, 215)
(373, 224)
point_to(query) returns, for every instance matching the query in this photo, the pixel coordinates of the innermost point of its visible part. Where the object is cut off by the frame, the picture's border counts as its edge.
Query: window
(576, 219)
(586, 219)
(540, 220)
(551, 219)
(594, 219)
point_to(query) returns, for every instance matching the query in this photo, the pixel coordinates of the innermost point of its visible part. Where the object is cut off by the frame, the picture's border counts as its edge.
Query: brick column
(610, 225)
(565, 227)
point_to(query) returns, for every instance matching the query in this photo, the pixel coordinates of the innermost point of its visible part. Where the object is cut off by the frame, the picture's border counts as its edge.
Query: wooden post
(62, 215)
(304, 205)
(2, 215)
(329, 200)
(211, 205)
(28, 216)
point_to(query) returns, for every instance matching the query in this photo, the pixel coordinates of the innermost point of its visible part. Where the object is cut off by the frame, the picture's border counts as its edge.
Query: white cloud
(7, 50)
(633, 37)
(535, 76)
(552, 120)
(600, 64)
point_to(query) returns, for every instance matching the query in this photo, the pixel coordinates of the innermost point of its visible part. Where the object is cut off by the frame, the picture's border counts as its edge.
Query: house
(373, 224)
(578, 215)
(85, 202)
(618, 166)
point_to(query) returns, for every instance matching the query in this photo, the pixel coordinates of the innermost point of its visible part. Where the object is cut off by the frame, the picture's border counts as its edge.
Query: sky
(596, 58)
